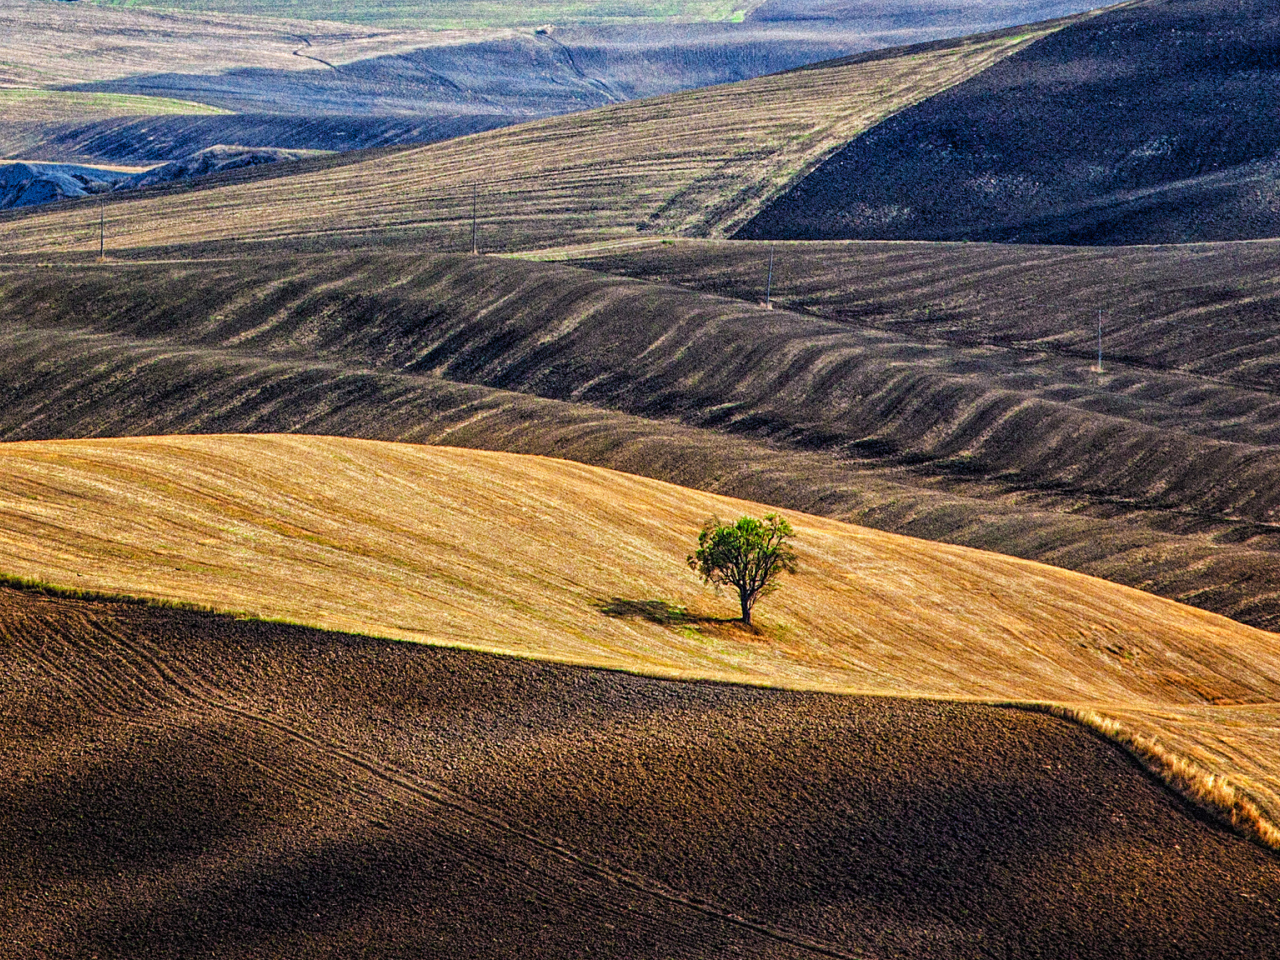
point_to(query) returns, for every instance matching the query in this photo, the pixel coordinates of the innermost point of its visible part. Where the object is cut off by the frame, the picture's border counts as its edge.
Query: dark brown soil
(1153, 122)
(177, 784)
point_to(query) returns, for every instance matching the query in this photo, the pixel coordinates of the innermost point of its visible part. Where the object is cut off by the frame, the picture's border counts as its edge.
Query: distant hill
(697, 162)
(1153, 122)
(90, 83)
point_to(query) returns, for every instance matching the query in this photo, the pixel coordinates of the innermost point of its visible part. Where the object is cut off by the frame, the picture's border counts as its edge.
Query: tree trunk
(746, 607)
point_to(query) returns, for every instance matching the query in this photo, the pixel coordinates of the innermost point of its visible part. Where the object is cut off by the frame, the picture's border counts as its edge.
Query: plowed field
(180, 784)
(992, 445)
(561, 561)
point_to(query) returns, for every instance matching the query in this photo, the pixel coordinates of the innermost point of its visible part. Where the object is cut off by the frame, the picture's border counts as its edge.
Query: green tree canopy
(747, 555)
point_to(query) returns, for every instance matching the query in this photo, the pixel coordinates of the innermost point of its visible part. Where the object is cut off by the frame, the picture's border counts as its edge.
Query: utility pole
(475, 247)
(1099, 341)
(102, 230)
(768, 284)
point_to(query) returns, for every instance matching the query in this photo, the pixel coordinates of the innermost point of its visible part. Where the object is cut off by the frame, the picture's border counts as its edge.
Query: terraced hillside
(1150, 123)
(696, 162)
(416, 543)
(182, 784)
(1020, 454)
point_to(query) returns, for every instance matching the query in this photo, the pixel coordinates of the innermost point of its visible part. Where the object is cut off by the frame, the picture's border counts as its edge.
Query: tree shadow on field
(674, 616)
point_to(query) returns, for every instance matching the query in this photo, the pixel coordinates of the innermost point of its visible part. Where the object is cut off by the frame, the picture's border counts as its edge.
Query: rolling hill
(306, 84)
(698, 162)
(178, 783)
(1029, 454)
(1149, 123)
(891, 18)
(416, 543)
(612, 765)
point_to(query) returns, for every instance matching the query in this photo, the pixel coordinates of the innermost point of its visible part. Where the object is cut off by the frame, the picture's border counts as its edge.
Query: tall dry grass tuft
(1212, 792)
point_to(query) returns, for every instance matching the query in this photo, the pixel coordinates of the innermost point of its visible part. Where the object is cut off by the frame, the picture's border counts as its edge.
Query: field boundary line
(1214, 794)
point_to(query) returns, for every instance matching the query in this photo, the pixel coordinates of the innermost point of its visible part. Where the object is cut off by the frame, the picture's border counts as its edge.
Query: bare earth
(176, 784)
(557, 560)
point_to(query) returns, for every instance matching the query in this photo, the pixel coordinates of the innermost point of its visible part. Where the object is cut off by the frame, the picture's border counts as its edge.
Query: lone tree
(747, 555)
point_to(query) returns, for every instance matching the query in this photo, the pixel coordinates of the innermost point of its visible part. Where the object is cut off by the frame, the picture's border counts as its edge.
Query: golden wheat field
(697, 163)
(555, 560)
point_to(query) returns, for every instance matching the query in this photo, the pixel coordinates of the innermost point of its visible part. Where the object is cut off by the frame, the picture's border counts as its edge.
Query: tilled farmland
(178, 783)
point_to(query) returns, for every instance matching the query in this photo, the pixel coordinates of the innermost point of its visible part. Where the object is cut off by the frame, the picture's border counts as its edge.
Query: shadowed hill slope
(415, 542)
(1031, 436)
(697, 162)
(256, 789)
(1149, 123)
(337, 346)
(1206, 312)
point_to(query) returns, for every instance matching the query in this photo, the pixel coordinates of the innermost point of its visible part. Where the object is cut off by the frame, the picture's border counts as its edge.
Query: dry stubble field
(565, 562)
(698, 162)
(993, 446)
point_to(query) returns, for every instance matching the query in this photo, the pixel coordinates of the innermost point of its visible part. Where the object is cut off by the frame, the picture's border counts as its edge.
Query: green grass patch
(44, 589)
(33, 104)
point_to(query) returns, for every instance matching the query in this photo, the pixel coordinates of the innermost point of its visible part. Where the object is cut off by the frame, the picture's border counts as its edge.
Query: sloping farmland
(691, 163)
(420, 543)
(179, 784)
(1007, 450)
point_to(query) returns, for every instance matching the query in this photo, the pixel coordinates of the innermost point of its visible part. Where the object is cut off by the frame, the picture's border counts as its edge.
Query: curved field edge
(1217, 793)
(985, 446)
(31, 105)
(692, 163)
(854, 822)
(547, 559)
(1214, 793)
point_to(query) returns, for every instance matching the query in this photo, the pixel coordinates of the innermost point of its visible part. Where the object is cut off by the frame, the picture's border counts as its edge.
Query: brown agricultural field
(181, 784)
(693, 163)
(560, 561)
(49, 46)
(1204, 310)
(817, 415)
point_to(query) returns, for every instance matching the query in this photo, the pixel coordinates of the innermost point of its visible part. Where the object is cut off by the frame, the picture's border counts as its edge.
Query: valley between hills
(342, 565)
